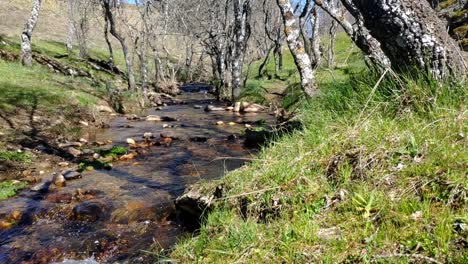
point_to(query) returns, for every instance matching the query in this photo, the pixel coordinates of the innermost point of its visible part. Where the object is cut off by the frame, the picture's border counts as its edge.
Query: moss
(10, 188)
(461, 32)
(447, 3)
(16, 156)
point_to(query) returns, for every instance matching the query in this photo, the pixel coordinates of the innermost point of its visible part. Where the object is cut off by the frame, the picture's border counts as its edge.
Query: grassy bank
(378, 174)
(39, 106)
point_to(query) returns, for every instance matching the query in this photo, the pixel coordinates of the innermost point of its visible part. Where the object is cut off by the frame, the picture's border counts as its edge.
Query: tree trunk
(241, 32)
(412, 35)
(26, 51)
(296, 46)
(315, 39)
(109, 45)
(71, 26)
(121, 39)
(331, 47)
(266, 60)
(357, 32)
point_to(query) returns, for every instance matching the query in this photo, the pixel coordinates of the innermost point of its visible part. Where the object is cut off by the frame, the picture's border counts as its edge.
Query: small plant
(366, 206)
(114, 151)
(10, 188)
(15, 156)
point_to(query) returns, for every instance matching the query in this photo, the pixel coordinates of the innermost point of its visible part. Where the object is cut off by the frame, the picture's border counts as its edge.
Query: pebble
(75, 152)
(131, 141)
(71, 175)
(59, 180)
(153, 118)
(63, 164)
(219, 123)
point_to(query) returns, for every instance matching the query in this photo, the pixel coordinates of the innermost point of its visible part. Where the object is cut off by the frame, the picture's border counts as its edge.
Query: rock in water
(237, 107)
(89, 211)
(41, 187)
(153, 118)
(253, 108)
(198, 106)
(71, 175)
(131, 141)
(148, 135)
(59, 180)
(74, 152)
(169, 134)
(209, 108)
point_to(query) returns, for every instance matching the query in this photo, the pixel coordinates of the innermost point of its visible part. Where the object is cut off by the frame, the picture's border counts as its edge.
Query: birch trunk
(241, 32)
(26, 51)
(331, 47)
(301, 59)
(358, 33)
(71, 27)
(412, 35)
(315, 41)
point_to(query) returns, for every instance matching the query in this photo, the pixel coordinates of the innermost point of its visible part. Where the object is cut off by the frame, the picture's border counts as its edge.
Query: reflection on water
(114, 215)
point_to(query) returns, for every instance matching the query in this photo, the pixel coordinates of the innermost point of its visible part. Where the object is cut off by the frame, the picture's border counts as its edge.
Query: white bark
(357, 32)
(71, 26)
(241, 34)
(26, 51)
(296, 46)
(412, 35)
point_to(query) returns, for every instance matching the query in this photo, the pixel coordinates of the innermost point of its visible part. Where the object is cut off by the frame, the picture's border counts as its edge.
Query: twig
(247, 193)
(411, 256)
(232, 158)
(372, 92)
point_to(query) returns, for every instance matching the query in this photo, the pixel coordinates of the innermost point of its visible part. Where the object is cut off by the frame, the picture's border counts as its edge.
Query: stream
(117, 215)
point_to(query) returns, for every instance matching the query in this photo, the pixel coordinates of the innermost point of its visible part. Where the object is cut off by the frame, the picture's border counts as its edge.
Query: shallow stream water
(132, 202)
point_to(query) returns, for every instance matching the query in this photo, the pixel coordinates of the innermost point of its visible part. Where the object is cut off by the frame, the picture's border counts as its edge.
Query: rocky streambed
(116, 213)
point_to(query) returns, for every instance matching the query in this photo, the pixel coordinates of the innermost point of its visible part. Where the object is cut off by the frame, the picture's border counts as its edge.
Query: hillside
(377, 174)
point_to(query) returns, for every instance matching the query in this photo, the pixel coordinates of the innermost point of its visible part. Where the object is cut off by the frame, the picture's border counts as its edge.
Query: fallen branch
(411, 256)
(247, 193)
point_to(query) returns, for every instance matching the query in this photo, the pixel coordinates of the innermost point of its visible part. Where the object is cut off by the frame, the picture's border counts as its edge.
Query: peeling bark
(412, 35)
(71, 27)
(296, 46)
(357, 32)
(26, 51)
(241, 36)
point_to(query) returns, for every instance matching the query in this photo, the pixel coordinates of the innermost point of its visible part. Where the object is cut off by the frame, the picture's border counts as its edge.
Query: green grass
(115, 151)
(15, 156)
(10, 188)
(381, 169)
(258, 89)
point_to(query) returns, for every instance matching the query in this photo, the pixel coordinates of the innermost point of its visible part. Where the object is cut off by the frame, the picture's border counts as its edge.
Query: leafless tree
(110, 7)
(26, 51)
(296, 46)
(242, 14)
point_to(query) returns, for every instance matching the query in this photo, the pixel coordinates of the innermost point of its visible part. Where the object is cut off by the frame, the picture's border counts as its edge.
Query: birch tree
(242, 13)
(296, 46)
(26, 35)
(411, 35)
